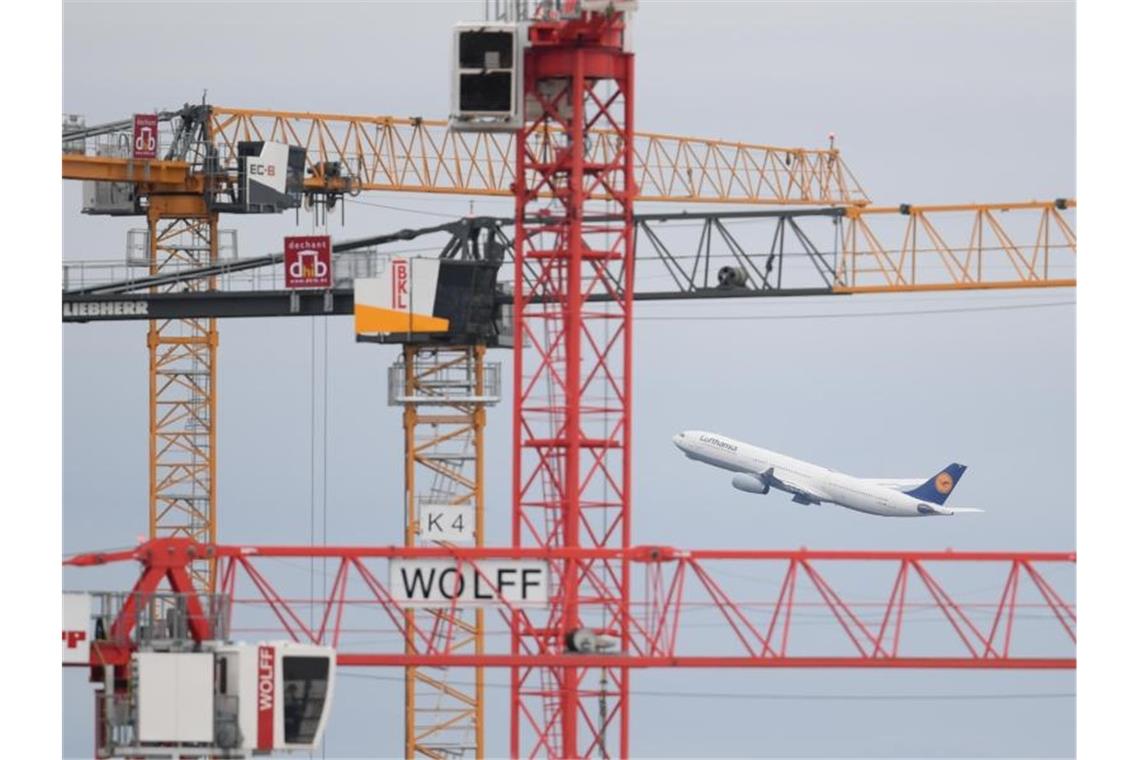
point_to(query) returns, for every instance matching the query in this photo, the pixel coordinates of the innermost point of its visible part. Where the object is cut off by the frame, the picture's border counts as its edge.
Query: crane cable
(794, 696)
(324, 438)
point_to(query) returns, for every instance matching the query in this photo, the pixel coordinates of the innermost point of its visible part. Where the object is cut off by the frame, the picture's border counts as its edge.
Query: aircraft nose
(678, 439)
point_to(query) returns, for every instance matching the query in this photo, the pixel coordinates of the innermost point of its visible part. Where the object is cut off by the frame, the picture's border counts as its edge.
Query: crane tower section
(572, 364)
(444, 391)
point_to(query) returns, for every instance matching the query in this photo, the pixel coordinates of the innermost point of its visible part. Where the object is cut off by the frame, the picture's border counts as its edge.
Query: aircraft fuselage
(761, 470)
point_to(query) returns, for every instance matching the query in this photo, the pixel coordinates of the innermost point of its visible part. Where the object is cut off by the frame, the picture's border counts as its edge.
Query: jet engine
(750, 483)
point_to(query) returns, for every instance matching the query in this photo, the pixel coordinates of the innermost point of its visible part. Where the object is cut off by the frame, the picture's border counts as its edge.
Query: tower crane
(575, 167)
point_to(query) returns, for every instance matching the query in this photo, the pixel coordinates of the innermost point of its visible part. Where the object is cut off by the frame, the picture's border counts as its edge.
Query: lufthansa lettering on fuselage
(99, 309)
(717, 442)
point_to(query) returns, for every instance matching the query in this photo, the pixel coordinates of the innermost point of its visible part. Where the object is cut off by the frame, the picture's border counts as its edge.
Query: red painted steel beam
(165, 550)
(399, 660)
(763, 633)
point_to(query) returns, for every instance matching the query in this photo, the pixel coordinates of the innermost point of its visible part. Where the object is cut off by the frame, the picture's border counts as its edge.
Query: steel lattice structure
(573, 382)
(444, 392)
(1023, 616)
(983, 252)
(183, 390)
(794, 252)
(423, 155)
(354, 153)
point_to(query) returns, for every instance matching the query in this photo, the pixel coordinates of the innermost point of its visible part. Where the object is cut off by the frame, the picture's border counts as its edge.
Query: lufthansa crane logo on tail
(944, 483)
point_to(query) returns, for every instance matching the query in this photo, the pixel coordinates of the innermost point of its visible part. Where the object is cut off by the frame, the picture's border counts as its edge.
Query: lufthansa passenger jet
(759, 470)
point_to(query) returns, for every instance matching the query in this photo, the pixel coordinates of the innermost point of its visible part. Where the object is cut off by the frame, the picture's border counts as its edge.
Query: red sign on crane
(308, 262)
(265, 693)
(145, 136)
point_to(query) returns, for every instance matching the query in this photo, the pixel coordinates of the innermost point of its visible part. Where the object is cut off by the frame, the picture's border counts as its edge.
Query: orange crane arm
(957, 247)
(166, 174)
(422, 155)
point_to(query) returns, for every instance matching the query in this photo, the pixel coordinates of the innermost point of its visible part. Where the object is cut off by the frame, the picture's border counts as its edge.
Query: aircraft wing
(801, 492)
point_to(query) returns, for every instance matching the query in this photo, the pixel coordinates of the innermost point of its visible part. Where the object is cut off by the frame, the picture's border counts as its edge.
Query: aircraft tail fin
(938, 488)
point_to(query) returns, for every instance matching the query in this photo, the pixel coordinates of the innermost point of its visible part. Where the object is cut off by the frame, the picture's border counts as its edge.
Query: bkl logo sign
(308, 262)
(145, 136)
(399, 284)
(266, 689)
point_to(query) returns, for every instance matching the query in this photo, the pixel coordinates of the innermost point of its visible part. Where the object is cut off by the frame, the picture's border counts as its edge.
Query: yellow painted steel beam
(974, 246)
(423, 155)
(1067, 203)
(156, 173)
(1060, 282)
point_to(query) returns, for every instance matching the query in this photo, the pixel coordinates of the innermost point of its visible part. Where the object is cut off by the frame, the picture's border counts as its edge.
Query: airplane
(759, 470)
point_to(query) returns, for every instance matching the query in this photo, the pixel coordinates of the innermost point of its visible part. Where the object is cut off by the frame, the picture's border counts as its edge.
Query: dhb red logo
(308, 262)
(145, 136)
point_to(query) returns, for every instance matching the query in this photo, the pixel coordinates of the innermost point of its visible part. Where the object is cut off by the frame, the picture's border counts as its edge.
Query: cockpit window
(305, 680)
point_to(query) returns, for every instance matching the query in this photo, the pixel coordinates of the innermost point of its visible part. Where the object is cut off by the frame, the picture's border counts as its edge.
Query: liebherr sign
(98, 309)
(441, 582)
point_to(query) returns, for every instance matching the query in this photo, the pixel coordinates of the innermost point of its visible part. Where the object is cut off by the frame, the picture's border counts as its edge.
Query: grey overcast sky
(931, 102)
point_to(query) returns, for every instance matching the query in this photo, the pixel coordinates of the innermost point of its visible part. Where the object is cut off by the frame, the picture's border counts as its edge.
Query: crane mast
(573, 401)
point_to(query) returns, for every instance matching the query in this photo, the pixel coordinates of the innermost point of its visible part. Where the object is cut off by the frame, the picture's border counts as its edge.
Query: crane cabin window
(486, 92)
(480, 49)
(486, 63)
(305, 683)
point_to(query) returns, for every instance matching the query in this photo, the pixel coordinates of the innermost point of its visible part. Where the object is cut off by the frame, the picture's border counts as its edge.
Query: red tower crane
(573, 363)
